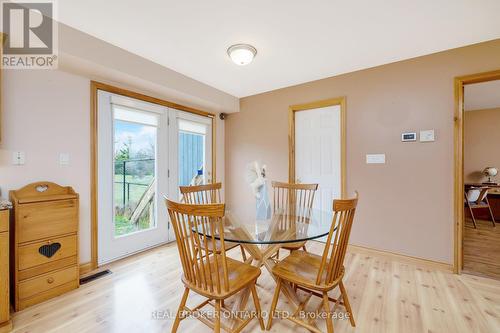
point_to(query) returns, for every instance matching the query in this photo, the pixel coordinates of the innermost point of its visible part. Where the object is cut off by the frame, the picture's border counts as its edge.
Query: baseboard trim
(89, 267)
(85, 268)
(6, 327)
(401, 257)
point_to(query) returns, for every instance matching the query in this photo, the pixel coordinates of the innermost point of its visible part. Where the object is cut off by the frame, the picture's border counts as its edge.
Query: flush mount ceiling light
(241, 54)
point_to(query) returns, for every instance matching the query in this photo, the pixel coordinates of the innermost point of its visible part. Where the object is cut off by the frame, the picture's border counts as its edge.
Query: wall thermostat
(405, 137)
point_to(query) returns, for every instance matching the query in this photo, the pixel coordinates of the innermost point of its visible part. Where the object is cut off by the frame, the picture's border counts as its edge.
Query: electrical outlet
(63, 159)
(18, 158)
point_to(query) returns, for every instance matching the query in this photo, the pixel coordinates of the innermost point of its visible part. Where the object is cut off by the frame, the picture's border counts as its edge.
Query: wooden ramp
(146, 198)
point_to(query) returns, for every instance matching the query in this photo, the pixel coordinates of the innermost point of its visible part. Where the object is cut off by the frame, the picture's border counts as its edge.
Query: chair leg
(273, 304)
(304, 248)
(329, 320)
(491, 213)
(473, 219)
(343, 291)
(256, 303)
(278, 254)
(217, 316)
(243, 254)
(179, 311)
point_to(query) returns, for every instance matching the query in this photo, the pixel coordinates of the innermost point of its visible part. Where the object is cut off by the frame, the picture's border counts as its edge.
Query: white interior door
(318, 152)
(132, 176)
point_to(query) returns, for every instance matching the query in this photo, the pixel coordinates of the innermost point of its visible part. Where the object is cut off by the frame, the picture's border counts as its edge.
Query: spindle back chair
(199, 226)
(297, 200)
(207, 194)
(317, 275)
(201, 194)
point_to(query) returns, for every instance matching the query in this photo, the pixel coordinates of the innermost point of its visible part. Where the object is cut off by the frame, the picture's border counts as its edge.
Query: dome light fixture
(241, 54)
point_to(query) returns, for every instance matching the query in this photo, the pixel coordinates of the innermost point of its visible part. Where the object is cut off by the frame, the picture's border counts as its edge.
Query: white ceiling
(297, 40)
(481, 96)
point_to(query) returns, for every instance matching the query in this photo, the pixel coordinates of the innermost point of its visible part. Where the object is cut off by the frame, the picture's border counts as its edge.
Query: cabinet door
(4, 277)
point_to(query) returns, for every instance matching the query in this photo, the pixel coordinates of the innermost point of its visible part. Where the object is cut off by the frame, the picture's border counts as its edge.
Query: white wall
(46, 112)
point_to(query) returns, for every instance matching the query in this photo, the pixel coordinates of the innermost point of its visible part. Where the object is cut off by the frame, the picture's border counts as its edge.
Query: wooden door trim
(460, 82)
(94, 88)
(341, 101)
(3, 38)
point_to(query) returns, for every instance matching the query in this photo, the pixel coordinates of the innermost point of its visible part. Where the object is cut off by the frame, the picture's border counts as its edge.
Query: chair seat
(302, 268)
(478, 204)
(293, 246)
(228, 245)
(240, 275)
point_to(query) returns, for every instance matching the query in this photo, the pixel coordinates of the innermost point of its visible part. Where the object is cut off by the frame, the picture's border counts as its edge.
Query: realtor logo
(30, 35)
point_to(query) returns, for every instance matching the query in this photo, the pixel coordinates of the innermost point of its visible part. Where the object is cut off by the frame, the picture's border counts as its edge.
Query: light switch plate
(427, 136)
(64, 159)
(375, 158)
(18, 158)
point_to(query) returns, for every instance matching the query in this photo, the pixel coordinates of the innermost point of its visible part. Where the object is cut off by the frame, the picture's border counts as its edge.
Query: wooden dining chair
(215, 277)
(298, 197)
(477, 198)
(207, 194)
(317, 275)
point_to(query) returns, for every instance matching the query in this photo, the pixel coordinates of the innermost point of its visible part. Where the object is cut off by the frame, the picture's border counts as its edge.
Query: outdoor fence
(133, 176)
(128, 174)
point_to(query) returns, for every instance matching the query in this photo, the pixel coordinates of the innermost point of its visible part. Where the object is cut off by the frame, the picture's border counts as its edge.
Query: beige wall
(406, 205)
(45, 113)
(482, 142)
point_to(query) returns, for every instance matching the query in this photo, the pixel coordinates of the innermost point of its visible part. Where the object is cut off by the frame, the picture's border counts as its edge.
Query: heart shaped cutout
(49, 250)
(42, 188)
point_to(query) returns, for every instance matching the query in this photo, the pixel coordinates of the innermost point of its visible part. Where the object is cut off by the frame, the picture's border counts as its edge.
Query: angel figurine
(256, 178)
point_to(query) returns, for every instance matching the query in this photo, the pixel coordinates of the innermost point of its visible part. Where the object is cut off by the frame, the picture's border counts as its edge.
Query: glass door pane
(192, 153)
(135, 141)
(132, 176)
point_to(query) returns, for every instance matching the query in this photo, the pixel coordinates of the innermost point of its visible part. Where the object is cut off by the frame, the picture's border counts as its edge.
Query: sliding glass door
(145, 151)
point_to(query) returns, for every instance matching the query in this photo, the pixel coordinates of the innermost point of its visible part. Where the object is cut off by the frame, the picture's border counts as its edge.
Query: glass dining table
(262, 238)
(282, 227)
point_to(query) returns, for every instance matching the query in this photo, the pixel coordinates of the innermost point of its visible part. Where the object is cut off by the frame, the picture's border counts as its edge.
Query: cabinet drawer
(30, 256)
(46, 219)
(4, 220)
(46, 282)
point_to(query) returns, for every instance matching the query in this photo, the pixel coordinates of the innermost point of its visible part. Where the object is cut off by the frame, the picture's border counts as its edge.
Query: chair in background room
(299, 197)
(209, 276)
(317, 275)
(477, 198)
(207, 194)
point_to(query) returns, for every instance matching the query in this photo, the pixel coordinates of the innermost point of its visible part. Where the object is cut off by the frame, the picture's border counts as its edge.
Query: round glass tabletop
(282, 227)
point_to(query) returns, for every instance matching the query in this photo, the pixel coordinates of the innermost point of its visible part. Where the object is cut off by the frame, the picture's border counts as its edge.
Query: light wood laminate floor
(388, 294)
(482, 249)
